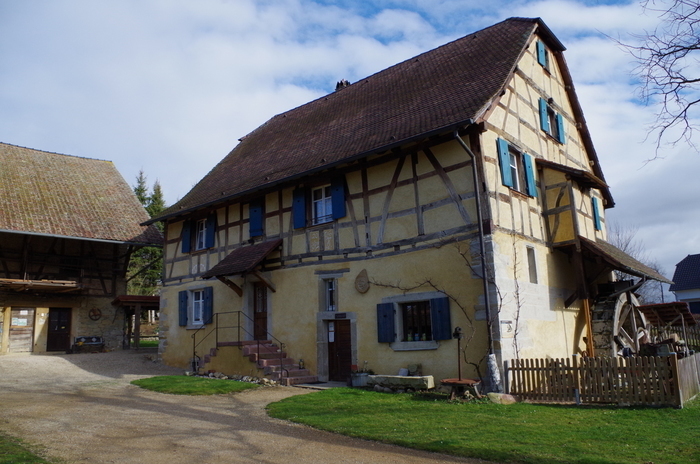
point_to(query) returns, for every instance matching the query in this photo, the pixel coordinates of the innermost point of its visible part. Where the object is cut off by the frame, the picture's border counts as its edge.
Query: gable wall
(540, 325)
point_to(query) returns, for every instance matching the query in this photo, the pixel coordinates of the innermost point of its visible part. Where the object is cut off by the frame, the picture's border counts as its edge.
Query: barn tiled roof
(687, 274)
(51, 194)
(435, 92)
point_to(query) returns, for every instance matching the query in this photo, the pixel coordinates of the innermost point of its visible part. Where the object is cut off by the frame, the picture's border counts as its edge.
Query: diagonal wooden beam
(231, 285)
(264, 280)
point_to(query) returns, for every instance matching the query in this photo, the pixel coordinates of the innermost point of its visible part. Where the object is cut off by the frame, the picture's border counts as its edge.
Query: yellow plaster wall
(108, 327)
(295, 305)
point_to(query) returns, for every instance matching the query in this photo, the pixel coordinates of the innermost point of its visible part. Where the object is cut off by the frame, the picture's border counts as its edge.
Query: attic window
(551, 122)
(542, 55)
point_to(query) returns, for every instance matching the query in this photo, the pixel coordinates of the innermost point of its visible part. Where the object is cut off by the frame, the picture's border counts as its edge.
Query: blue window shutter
(338, 197)
(182, 308)
(208, 307)
(541, 54)
(186, 236)
(299, 208)
(561, 135)
(504, 160)
(385, 323)
(596, 214)
(440, 318)
(211, 231)
(544, 117)
(529, 175)
(256, 217)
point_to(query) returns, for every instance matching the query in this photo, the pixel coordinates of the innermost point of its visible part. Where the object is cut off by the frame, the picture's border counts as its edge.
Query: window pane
(197, 305)
(330, 295)
(322, 205)
(416, 321)
(201, 234)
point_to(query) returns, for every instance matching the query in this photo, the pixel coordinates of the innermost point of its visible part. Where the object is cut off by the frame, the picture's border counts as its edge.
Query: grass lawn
(520, 433)
(183, 385)
(148, 343)
(14, 451)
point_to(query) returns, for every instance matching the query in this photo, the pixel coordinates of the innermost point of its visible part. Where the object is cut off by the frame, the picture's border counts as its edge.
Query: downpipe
(493, 372)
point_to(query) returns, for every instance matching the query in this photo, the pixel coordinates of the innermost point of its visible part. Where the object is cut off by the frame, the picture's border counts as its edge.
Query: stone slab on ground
(423, 382)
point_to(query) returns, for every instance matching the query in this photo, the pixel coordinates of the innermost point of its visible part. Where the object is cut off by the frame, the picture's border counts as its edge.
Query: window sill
(519, 193)
(194, 326)
(415, 346)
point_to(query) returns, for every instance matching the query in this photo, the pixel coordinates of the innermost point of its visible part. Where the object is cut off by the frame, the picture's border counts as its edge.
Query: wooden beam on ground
(231, 285)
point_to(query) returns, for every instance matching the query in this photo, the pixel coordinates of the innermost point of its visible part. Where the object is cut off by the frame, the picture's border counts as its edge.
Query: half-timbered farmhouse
(457, 189)
(67, 228)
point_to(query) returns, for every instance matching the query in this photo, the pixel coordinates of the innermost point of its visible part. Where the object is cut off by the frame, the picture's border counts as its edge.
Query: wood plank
(265, 280)
(231, 285)
(416, 194)
(387, 198)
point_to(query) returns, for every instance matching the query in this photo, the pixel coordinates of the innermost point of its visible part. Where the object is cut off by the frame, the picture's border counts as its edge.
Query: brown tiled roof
(61, 195)
(620, 260)
(242, 259)
(435, 92)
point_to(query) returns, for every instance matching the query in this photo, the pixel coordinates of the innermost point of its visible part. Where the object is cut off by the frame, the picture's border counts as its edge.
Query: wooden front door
(339, 350)
(21, 330)
(59, 329)
(260, 311)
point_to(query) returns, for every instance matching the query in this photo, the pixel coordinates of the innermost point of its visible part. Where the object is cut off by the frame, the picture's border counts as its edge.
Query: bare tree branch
(667, 66)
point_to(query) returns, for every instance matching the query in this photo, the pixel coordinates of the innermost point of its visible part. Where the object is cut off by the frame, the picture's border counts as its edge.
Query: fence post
(577, 378)
(506, 375)
(673, 358)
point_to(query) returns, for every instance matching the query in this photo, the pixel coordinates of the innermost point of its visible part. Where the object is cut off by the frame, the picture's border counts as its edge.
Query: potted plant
(358, 377)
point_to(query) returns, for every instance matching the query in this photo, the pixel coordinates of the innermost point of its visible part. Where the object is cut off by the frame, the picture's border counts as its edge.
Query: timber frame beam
(231, 285)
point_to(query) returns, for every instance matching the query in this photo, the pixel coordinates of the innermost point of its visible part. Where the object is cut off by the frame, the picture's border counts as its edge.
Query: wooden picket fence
(646, 381)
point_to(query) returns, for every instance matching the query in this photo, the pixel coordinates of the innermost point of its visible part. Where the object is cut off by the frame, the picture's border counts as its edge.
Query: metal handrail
(239, 327)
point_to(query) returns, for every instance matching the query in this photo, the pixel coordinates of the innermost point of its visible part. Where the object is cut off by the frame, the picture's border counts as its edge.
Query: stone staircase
(270, 360)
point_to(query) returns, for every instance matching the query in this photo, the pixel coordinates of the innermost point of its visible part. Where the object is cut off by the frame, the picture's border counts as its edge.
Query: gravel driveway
(82, 409)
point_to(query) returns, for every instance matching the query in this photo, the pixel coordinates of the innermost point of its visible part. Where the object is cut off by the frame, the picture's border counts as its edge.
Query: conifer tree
(146, 263)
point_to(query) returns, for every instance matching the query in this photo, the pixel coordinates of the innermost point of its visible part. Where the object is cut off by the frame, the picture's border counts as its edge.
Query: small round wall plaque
(362, 282)
(95, 314)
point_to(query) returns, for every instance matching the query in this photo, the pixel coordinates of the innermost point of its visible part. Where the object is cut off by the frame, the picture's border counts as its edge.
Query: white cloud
(169, 86)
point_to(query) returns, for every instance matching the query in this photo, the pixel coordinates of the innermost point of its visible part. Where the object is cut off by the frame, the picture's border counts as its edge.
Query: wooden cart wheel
(630, 325)
(95, 314)
(618, 326)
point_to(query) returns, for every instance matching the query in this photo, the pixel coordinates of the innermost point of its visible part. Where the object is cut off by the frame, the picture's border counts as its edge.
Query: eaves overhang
(225, 199)
(88, 239)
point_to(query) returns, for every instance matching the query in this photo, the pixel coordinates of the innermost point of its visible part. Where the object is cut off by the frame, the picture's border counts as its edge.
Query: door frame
(260, 286)
(12, 328)
(49, 332)
(248, 306)
(322, 320)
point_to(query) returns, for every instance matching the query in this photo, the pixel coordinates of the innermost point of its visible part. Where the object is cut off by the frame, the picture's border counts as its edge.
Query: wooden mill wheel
(618, 325)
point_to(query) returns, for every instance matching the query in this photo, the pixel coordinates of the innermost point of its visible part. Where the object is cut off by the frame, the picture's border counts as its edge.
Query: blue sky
(169, 86)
